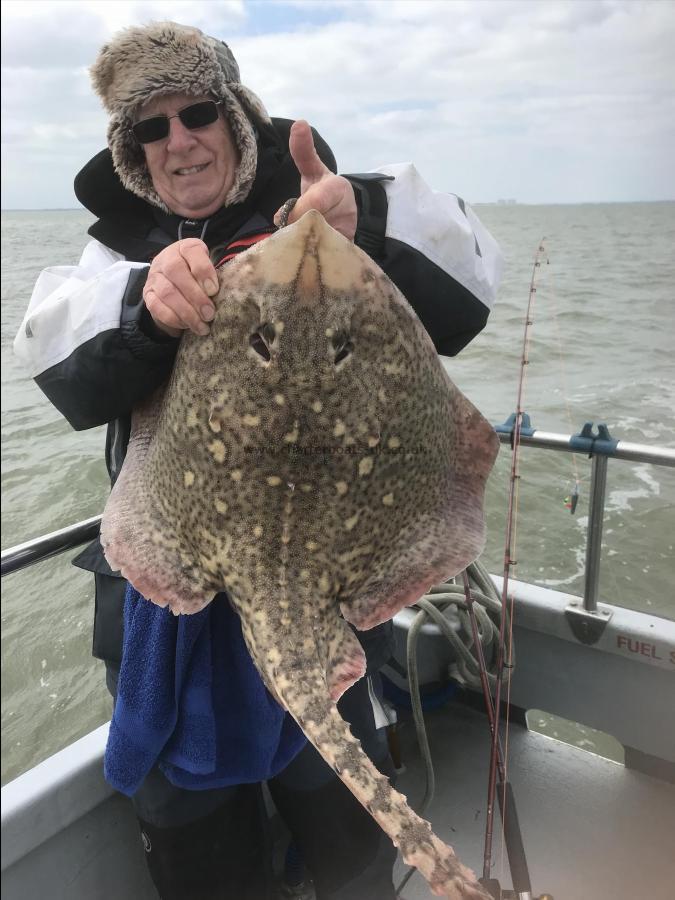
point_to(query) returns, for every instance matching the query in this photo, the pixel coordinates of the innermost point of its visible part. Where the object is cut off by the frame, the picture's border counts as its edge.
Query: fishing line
(572, 498)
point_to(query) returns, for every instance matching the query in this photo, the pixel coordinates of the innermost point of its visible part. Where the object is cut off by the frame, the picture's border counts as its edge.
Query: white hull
(592, 828)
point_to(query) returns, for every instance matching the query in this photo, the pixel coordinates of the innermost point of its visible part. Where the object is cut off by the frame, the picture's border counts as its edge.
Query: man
(196, 171)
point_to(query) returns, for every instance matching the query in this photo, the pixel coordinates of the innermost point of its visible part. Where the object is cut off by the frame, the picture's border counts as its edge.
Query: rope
(432, 607)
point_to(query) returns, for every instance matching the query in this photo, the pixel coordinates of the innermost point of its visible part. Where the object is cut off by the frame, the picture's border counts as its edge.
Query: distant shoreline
(46, 209)
(509, 204)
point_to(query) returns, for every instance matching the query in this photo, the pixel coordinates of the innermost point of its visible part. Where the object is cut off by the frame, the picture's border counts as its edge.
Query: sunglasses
(156, 128)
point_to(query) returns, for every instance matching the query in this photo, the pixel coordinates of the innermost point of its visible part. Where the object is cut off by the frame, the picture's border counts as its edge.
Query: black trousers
(202, 845)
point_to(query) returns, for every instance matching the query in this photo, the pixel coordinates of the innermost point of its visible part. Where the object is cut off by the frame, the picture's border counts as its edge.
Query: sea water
(601, 351)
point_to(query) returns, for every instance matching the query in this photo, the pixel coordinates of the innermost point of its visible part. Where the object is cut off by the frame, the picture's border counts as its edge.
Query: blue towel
(190, 699)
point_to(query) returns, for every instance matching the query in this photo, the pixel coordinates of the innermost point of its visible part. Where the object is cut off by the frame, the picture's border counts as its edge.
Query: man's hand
(180, 283)
(332, 195)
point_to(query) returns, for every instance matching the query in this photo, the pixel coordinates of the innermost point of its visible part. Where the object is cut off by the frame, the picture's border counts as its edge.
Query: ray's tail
(320, 720)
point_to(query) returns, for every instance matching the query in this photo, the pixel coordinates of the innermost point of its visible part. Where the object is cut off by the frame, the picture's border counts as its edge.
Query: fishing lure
(572, 498)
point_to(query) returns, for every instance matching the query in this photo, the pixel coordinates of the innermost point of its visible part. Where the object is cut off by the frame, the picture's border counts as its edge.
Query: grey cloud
(66, 40)
(489, 99)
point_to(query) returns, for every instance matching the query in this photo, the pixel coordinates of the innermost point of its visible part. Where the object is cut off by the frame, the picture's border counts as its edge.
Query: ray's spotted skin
(285, 211)
(311, 457)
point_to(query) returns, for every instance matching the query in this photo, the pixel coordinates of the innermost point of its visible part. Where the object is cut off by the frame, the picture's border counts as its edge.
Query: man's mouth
(192, 170)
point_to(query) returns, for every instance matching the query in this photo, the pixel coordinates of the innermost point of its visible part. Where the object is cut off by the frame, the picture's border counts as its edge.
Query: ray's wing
(138, 535)
(440, 539)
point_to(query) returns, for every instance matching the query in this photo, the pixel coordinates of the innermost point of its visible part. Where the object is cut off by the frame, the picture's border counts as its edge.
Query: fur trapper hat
(147, 61)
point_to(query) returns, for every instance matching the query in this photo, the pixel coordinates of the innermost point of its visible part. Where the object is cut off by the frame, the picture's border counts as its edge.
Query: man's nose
(180, 137)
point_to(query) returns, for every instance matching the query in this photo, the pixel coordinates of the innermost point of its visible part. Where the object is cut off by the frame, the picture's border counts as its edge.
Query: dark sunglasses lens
(157, 127)
(199, 114)
(153, 129)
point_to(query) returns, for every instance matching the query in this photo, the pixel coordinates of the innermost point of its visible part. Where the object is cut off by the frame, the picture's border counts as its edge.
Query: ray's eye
(342, 347)
(256, 341)
(261, 339)
(268, 332)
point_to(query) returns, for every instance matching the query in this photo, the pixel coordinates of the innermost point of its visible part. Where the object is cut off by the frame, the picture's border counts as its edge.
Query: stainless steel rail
(590, 621)
(40, 548)
(549, 440)
(594, 535)
(30, 552)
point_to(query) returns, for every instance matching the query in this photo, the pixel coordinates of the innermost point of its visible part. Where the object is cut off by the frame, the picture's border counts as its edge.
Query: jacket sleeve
(86, 341)
(435, 250)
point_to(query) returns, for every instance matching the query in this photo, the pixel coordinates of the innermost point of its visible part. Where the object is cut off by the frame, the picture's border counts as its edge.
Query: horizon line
(500, 202)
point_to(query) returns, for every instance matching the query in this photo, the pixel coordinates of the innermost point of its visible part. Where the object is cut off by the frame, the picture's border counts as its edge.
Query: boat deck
(591, 828)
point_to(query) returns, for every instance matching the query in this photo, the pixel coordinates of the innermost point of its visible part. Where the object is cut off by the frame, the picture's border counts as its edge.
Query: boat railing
(38, 549)
(600, 446)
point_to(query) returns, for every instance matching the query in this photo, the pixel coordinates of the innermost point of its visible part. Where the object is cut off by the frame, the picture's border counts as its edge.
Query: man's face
(191, 170)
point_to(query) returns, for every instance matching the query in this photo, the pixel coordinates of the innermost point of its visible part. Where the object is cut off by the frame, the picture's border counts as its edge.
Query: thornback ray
(312, 458)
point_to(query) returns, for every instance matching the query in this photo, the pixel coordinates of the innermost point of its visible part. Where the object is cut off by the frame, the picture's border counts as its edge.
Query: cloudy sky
(539, 100)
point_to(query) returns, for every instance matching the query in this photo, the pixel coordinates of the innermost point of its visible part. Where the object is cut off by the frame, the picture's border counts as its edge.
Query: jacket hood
(148, 61)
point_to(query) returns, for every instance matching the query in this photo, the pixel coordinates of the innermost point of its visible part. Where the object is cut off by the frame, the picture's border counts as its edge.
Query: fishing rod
(498, 764)
(497, 772)
(511, 827)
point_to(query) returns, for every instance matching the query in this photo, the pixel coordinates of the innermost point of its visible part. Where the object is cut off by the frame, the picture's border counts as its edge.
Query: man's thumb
(303, 151)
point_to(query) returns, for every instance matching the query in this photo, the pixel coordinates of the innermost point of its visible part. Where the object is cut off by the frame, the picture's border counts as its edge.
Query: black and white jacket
(93, 349)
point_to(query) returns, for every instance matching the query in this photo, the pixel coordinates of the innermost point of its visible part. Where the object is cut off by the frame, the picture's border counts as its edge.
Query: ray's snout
(313, 257)
(318, 278)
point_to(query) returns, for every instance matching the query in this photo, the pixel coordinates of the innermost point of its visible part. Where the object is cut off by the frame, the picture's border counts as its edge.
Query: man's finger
(161, 294)
(324, 196)
(177, 278)
(196, 255)
(163, 317)
(303, 151)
